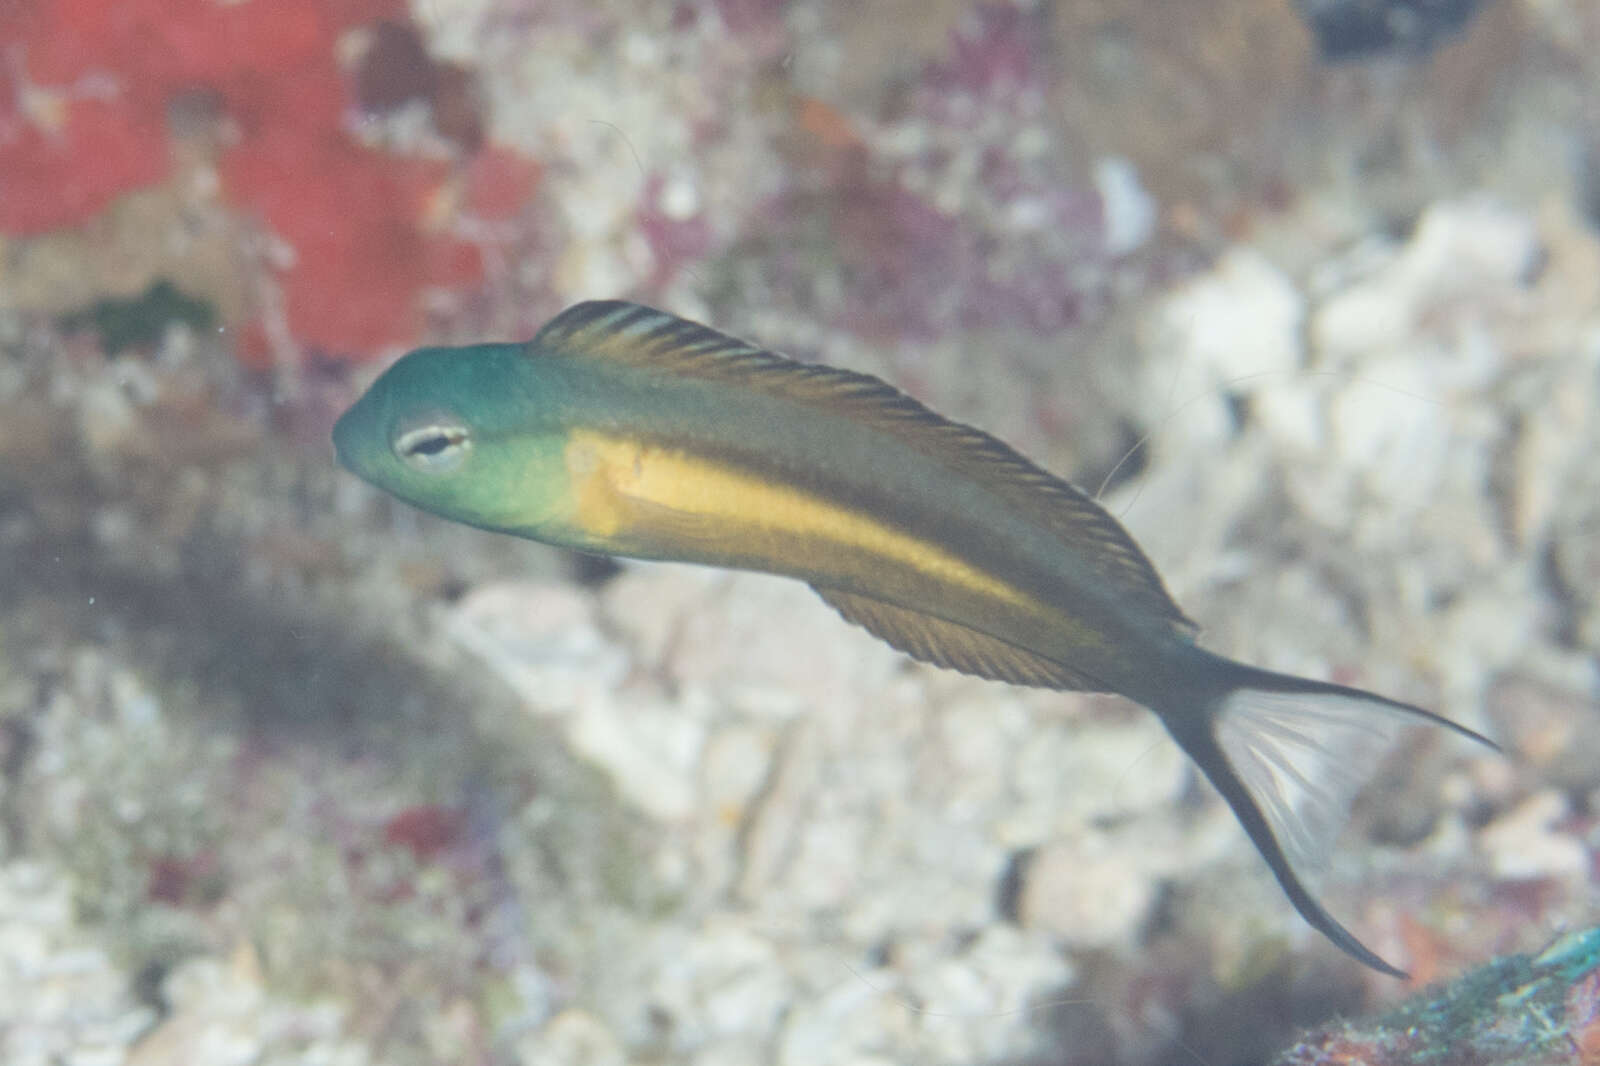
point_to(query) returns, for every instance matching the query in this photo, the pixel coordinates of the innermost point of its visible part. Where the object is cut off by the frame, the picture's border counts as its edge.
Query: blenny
(628, 431)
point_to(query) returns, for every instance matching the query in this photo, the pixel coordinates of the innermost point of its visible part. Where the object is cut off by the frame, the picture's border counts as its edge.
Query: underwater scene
(1186, 416)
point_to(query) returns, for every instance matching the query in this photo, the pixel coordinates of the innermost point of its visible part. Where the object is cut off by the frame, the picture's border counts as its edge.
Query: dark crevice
(1008, 890)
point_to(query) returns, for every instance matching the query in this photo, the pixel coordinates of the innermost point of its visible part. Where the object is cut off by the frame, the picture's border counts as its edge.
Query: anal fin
(956, 647)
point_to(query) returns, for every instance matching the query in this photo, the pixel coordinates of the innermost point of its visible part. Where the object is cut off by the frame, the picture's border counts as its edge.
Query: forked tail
(1289, 755)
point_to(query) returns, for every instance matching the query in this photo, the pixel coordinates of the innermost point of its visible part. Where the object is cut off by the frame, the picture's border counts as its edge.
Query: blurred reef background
(1307, 290)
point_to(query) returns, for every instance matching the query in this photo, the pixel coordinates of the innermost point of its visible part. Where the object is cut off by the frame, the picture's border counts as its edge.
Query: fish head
(460, 432)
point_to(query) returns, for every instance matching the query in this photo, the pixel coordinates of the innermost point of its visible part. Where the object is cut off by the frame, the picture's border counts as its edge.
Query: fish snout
(351, 434)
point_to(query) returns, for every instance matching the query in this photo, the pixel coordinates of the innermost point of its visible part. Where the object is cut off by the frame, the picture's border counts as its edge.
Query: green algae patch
(140, 321)
(1518, 1010)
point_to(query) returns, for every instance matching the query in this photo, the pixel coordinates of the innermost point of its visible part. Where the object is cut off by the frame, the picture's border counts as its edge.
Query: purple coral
(962, 212)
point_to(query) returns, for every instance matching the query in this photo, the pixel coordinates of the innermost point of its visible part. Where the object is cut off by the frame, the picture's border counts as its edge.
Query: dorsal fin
(635, 335)
(955, 647)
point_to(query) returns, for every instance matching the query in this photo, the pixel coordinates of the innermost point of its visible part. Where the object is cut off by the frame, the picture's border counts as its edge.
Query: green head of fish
(465, 433)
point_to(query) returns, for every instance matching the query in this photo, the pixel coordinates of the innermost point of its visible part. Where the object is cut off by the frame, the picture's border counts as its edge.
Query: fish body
(624, 430)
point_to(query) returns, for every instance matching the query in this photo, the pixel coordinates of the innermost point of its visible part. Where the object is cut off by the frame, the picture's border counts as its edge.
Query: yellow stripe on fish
(627, 491)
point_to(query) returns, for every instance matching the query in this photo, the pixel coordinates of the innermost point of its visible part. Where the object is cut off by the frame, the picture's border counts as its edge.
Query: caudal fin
(1289, 755)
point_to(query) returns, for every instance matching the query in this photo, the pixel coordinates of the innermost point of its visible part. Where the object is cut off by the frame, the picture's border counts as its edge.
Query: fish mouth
(344, 440)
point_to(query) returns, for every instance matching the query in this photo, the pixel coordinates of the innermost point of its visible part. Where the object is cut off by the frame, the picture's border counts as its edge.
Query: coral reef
(366, 227)
(290, 773)
(1523, 1010)
(431, 803)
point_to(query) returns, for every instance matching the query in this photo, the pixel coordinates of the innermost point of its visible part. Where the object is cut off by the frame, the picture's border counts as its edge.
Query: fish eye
(437, 446)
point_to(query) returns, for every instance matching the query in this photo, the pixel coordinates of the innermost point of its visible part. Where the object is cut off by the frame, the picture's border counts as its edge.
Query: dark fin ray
(1288, 684)
(640, 336)
(955, 647)
(1289, 756)
(1210, 759)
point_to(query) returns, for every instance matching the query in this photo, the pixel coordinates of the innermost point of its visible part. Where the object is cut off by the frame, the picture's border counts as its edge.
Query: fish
(628, 431)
